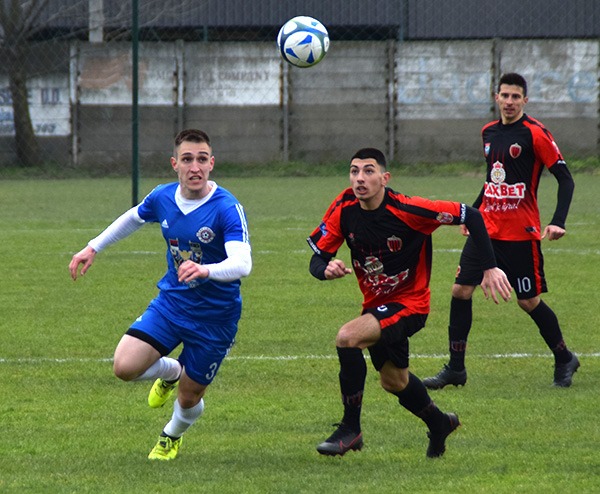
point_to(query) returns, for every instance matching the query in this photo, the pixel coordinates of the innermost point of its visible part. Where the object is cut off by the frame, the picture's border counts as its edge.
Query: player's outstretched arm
(86, 257)
(495, 282)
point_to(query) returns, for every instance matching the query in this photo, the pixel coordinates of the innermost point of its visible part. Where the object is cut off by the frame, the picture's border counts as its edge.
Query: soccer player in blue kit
(199, 303)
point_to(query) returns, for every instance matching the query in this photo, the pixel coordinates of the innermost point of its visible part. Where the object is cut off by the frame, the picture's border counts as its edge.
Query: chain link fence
(413, 77)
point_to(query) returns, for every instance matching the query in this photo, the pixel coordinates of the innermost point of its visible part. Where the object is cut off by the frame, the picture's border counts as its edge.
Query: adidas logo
(164, 224)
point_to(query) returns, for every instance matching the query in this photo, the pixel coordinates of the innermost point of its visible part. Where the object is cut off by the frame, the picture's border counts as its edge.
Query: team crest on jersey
(373, 265)
(175, 252)
(515, 150)
(444, 218)
(486, 149)
(205, 235)
(394, 243)
(498, 174)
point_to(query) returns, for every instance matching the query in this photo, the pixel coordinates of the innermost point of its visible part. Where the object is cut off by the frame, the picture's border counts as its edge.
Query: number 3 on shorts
(213, 370)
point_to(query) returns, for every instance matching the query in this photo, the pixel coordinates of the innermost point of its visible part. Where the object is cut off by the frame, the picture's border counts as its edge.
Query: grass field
(69, 426)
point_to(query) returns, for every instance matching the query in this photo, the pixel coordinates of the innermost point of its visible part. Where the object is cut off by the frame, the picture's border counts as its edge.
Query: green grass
(69, 426)
(589, 165)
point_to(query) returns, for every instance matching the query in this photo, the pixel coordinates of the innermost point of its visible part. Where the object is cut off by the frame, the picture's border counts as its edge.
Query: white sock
(183, 418)
(166, 368)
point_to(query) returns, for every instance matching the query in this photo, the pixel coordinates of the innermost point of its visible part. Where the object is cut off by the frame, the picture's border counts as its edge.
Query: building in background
(413, 77)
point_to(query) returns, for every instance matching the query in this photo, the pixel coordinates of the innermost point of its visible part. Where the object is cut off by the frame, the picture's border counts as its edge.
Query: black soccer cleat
(446, 376)
(563, 373)
(341, 441)
(437, 439)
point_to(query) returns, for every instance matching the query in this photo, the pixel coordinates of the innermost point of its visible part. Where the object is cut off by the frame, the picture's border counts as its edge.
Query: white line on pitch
(550, 250)
(38, 360)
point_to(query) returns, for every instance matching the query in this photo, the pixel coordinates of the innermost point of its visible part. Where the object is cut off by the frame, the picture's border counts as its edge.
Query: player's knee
(125, 372)
(529, 304)
(346, 338)
(463, 292)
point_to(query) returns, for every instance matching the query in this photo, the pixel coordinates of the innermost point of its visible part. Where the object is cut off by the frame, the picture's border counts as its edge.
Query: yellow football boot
(159, 394)
(165, 449)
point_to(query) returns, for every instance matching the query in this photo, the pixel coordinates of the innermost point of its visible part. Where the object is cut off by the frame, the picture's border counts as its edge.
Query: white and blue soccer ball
(303, 41)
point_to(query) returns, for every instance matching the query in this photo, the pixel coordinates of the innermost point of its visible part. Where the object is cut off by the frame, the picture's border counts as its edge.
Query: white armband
(122, 227)
(237, 265)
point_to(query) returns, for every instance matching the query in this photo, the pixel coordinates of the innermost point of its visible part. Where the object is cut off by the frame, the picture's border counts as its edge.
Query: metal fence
(415, 78)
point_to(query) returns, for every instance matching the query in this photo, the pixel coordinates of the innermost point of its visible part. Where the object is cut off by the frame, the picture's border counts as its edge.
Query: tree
(25, 22)
(16, 21)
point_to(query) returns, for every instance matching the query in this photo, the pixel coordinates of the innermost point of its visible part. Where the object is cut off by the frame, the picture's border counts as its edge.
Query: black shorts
(522, 262)
(397, 326)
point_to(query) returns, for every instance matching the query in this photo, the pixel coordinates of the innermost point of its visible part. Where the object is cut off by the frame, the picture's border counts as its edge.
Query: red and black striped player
(517, 148)
(389, 237)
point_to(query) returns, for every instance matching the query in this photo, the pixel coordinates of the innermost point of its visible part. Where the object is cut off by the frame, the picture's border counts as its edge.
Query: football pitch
(69, 426)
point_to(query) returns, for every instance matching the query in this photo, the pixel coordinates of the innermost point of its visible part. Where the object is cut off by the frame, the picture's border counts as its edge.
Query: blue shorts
(204, 345)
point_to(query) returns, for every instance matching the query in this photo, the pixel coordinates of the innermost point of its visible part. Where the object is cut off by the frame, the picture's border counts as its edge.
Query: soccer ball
(303, 41)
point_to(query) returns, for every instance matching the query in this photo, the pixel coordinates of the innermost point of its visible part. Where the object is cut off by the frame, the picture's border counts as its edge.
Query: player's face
(511, 102)
(193, 164)
(368, 182)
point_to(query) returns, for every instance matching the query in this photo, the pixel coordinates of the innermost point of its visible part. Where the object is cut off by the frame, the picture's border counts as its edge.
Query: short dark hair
(513, 79)
(190, 135)
(371, 153)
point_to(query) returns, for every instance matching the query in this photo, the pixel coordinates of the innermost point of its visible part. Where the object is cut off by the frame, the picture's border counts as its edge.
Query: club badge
(444, 218)
(498, 174)
(515, 151)
(394, 243)
(205, 235)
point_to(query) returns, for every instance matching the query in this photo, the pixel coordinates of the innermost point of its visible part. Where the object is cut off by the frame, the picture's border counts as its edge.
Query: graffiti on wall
(49, 107)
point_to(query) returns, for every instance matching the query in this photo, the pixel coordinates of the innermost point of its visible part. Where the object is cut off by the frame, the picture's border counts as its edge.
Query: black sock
(547, 322)
(461, 318)
(417, 401)
(353, 372)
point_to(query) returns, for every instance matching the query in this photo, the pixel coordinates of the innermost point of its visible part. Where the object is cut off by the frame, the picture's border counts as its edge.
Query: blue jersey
(199, 235)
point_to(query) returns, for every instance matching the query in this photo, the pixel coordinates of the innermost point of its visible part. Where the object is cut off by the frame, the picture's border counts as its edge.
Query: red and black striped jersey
(390, 247)
(516, 155)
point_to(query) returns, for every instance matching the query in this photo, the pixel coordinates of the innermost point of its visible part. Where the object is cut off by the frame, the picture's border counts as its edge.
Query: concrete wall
(421, 101)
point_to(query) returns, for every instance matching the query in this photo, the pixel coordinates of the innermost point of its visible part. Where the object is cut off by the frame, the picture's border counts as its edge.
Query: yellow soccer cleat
(165, 449)
(159, 394)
